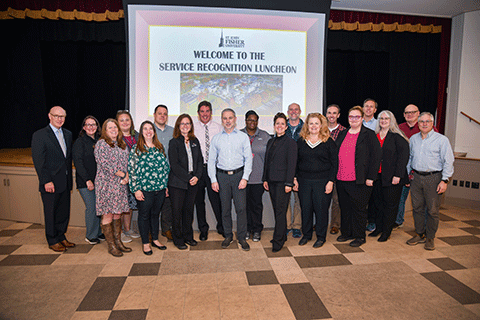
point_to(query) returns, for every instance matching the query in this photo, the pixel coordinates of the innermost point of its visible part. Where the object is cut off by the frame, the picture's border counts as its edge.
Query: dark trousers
(314, 200)
(56, 209)
(385, 200)
(214, 197)
(255, 207)
(353, 199)
(182, 203)
(166, 217)
(148, 213)
(371, 212)
(426, 203)
(229, 190)
(280, 202)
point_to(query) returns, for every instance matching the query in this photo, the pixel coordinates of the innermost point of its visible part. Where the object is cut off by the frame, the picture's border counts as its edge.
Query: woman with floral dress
(148, 168)
(111, 184)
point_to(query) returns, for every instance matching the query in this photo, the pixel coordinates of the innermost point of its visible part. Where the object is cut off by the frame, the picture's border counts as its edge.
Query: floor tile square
(80, 248)
(36, 226)
(144, 269)
(322, 261)
(128, 314)
(211, 245)
(472, 230)
(256, 278)
(444, 217)
(284, 252)
(346, 248)
(102, 294)
(460, 240)
(91, 315)
(475, 223)
(304, 301)
(29, 260)
(9, 233)
(446, 264)
(453, 287)
(8, 249)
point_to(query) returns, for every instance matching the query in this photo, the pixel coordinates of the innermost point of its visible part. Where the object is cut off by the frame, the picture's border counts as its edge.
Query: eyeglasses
(384, 119)
(354, 118)
(56, 116)
(425, 121)
(410, 112)
(185, 124)
(89, 125)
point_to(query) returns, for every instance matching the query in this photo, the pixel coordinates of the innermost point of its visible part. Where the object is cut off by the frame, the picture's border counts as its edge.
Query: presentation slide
(235, 58)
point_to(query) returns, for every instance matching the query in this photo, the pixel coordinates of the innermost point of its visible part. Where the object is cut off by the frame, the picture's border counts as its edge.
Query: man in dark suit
(52, 158)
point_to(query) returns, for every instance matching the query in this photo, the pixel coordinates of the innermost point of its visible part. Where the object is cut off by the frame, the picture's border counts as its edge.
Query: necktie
(207, 143)
(62, 141)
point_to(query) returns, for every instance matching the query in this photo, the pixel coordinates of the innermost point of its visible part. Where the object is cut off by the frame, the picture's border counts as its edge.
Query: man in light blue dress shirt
(229, 168)
(369, 108)
(431, 160)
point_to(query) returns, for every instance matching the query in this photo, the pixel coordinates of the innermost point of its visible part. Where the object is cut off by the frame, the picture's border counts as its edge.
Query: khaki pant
(294, 222)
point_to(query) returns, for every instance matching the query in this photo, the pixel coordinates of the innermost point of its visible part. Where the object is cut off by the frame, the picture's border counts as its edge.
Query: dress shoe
(276, 249)
(221, 233)
(357, 242)
(318, 243)
(67, 244)
(191, 243)
(159, 247)
(93, 241)
(181, 246)
(226, 242)
(168, 234)
(256, 236)
(203, 236)
(384, 237)
(375, 233)
(343, 238)
(57, 247)
(303, 241)
(244, 244)
(334, 230)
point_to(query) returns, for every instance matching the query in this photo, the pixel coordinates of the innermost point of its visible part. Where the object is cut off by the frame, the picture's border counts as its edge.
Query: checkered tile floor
(388, 280)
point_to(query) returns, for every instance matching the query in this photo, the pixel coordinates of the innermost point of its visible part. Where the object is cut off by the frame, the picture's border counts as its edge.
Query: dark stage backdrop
(81, 66)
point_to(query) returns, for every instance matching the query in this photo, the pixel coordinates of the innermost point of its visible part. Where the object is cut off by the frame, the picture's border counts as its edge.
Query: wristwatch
(446, 180)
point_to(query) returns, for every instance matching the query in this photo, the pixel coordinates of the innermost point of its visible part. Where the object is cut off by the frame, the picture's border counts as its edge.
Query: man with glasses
(52, 158)
(431, 160)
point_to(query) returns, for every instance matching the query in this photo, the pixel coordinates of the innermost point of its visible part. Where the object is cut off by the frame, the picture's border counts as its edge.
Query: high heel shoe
(159, 247)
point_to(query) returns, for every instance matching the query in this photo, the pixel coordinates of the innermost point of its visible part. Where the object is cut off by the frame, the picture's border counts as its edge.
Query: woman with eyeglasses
(186, 166)
(392, 174)
(130, 136)
(359, 155)
(148, 168)
(86, 169)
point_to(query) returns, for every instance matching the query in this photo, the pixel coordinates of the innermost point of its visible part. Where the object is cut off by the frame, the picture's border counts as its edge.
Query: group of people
(364, 172)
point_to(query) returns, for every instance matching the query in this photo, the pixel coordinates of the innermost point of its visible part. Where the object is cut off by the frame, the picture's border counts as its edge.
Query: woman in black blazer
(186, 165)
(278, 174)
(359, 155)
(316, 170)
(392, 174)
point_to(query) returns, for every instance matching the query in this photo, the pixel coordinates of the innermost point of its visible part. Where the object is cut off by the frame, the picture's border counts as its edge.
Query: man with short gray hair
(431, 166)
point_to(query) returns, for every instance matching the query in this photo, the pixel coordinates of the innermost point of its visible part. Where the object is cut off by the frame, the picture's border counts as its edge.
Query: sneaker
(416, 240)
(247, 235)
(371, 227)
(289, 231)
(244, 244)
(256, 236)
(396, 226)
(92, 241)
(297, 233)
(227, 242)
(101, 237)
(132, 234)
(430, 244)
(126, 238)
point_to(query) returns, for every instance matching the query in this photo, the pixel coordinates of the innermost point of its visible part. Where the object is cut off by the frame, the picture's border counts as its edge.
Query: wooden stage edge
(16, 157)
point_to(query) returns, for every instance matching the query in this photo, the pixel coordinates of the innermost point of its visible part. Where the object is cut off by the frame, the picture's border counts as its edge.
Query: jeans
(148, 213)
(92, 221)
(401, 205)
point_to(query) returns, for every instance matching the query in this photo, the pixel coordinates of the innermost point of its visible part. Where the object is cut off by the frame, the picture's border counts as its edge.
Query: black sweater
(316, 163)
(84, 160)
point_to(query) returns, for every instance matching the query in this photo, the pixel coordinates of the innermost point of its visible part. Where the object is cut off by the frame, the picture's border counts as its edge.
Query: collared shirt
(434, 153)
(372, 124)
(164, 136)
(336, 131)
(230, 151)
(213, 129)
(259, 147)
(59, 135)
(410, 131)
(294, 131)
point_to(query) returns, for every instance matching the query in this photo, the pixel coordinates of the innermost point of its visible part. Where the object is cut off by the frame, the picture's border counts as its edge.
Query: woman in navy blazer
(391, 176)
(186, 165)
(359, 155)
(278, 175)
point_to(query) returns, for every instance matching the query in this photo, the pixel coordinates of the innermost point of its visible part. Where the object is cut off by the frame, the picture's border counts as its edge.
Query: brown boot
(112, 248)
(117, 234)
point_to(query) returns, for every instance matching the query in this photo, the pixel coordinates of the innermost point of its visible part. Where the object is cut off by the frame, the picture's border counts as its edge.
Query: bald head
(411, 114)
(57, 116)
